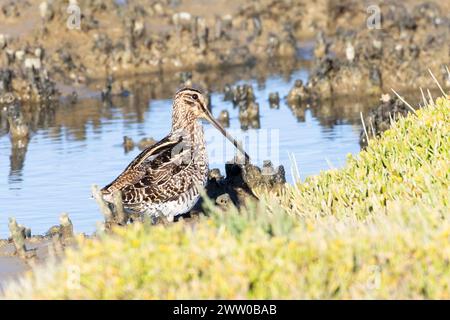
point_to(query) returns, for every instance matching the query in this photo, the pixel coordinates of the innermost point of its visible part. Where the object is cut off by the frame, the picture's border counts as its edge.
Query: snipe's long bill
(163, 180)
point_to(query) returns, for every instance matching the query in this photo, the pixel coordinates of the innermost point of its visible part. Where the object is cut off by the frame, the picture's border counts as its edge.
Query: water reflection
(17, 159)
(70, 146)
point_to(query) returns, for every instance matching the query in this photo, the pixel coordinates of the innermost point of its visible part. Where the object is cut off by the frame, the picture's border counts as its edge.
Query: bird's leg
(104, 208)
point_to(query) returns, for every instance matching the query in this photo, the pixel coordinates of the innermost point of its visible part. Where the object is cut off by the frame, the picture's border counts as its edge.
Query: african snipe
(163, 180)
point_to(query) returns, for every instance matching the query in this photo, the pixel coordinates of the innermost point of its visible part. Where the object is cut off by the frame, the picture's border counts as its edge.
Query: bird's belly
(169, 209)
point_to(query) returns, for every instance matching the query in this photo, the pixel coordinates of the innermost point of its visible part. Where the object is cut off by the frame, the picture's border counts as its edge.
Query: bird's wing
(146, 177)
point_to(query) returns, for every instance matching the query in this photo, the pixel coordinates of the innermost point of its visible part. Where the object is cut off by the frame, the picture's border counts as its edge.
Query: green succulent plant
(377, 228)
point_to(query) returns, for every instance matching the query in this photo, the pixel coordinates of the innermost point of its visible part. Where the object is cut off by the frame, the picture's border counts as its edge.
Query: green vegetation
(378, 228)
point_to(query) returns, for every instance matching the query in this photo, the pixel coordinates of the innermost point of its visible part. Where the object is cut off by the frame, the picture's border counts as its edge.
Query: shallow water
(79, 145)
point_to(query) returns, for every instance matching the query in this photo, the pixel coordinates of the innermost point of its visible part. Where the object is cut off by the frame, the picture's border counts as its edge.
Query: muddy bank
(381, 117)
(140, 37)
(12, 265)
(396, 51)
(48, 48)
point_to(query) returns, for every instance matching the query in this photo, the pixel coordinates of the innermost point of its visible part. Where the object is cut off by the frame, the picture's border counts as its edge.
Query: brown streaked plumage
(163, 180)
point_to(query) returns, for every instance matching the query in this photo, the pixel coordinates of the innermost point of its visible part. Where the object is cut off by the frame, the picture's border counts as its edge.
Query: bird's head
(191, 105)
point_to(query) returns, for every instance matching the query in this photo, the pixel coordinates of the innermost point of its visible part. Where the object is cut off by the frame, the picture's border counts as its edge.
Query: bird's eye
(195, 96)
